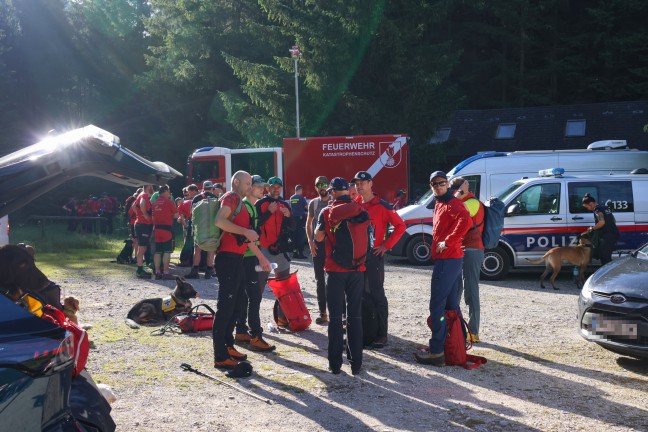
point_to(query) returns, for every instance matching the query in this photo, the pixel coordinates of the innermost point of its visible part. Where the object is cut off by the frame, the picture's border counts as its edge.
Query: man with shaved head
(233, 218)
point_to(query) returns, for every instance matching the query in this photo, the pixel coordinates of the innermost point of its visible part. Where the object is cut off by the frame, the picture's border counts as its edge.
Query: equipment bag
(352, 241)
(493, 222)
(206, 234)
(194, 321)
(455, 344)
(79, 336)
(291, 302)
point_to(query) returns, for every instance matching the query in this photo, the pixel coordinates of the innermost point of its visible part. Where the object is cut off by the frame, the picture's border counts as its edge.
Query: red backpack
(80, 336)
(455, 344)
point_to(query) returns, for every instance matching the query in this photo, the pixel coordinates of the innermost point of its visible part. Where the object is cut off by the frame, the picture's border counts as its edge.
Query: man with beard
(317, 249)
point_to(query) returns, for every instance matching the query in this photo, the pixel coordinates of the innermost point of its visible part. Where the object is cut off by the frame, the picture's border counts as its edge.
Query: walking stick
(188, 368)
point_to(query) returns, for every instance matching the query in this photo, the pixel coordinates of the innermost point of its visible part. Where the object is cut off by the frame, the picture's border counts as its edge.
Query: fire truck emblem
(390, 154)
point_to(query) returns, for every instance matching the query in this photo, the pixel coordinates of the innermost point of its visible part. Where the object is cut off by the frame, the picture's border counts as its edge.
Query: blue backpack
(493, 222)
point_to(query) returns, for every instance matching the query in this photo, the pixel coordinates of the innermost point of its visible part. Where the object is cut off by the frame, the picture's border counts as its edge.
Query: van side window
(616, 195)
(540, 199)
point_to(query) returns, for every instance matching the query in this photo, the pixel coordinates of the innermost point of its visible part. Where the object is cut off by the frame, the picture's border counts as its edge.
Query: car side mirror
(513, 209)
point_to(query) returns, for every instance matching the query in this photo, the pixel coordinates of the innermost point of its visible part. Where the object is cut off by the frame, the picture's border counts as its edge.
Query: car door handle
(556, 218)
(578, 218)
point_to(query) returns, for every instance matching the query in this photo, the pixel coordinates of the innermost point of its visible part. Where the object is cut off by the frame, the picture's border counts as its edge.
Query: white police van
(545, 212)
(491, 172)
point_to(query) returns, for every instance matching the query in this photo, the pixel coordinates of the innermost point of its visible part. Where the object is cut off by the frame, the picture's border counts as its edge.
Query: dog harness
(168, 304)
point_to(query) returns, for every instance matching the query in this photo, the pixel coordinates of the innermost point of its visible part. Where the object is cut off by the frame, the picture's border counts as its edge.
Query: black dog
(162, 309)
(126, 254)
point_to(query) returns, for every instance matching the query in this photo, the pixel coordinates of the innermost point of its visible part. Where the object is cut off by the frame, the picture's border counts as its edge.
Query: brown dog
(70, 308)
(575, 255)
(162, 309)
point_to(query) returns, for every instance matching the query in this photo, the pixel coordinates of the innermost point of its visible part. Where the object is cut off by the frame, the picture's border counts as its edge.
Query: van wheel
(418, 250)
(496, 264)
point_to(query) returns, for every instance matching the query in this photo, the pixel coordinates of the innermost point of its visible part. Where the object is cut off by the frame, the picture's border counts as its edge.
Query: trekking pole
(188, 368)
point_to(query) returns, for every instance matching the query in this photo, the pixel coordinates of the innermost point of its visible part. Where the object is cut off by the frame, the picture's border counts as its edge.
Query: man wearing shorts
(164, 211)
(143, 227)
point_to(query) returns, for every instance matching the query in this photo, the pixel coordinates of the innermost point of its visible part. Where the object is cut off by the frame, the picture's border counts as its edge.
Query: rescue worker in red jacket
(450, 224)
(272, 209)
(382, 215)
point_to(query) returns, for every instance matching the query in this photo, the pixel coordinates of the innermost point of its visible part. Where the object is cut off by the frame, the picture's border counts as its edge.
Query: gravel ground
(541, 375)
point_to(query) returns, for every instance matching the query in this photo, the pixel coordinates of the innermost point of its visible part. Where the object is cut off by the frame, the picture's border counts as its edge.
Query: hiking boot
(380, 342)
(209, 272)
(282, 322)
(229, 363)
(356, 371)
(193, 274)
(168, 276)
(235, 354)
(472, 338)
(430, 359)
(259, 345)
(159, 276)
(242, 338)
(322, 319)
(335, 370)
(143, 274)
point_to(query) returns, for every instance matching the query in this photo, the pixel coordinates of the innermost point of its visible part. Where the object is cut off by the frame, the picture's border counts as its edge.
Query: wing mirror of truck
(513, 209)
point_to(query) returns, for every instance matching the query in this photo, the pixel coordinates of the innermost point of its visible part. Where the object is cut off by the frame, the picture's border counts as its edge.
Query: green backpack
(207, 235)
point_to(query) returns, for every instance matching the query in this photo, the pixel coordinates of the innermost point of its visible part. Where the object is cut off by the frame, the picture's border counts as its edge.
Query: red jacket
(450, 224)
(473, 238)
(382, 214)
(269, 223)
(350, 208)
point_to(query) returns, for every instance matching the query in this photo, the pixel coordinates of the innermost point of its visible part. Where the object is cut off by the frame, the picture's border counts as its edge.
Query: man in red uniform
(382, 215)
(341, 283)
(272, 209)
(164, 211)
(143, 227)
(450, 224)
(236, 239)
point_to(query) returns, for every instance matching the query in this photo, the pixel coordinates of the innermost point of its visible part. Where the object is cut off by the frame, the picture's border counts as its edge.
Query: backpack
(493, 222)
(352, 241)
(284, 243)
(455, 344)
(79, 336)
(207, 235)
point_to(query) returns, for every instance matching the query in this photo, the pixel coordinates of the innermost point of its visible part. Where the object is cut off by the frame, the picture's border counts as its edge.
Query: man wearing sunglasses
(450, 224)
(382, 215)
(315, 207)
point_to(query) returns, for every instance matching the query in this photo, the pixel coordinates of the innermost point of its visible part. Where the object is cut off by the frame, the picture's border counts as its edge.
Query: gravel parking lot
(541, 375)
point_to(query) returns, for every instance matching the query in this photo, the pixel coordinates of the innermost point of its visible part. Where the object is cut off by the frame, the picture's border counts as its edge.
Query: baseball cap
(218, 186)
(438, 174)
(338, 184)
(208, 185)
(362, 175)
(257, 180)
(321, 179)
(275, 180)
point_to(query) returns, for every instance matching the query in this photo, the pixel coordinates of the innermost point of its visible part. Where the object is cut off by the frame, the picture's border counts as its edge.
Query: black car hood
(88, 151)
(628, 276)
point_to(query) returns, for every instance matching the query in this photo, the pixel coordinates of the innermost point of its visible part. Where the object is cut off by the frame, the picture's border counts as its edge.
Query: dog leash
(188, 368)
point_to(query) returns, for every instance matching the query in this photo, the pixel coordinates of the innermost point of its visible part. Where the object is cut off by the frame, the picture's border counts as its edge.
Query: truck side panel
(386, 157)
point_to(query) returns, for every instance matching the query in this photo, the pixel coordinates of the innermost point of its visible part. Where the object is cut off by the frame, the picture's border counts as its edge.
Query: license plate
(614, 327)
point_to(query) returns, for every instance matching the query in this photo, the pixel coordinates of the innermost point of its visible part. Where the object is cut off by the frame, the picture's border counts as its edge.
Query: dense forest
(168, 76)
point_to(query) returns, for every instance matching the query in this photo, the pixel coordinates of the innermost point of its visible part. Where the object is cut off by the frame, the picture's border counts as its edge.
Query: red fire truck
(385, 157)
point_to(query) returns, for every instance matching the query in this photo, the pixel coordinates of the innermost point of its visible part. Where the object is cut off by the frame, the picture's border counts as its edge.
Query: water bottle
(575, 273)
(260, 269)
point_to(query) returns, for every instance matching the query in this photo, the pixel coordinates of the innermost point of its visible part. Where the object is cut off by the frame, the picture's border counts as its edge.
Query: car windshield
(509, 191)
(643, 252)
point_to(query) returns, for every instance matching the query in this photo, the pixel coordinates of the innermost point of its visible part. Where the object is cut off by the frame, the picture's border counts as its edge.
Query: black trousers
(375, 282)
(229, 270)
(340, 287)
(300, 234)
(249, 300)
(320, 277)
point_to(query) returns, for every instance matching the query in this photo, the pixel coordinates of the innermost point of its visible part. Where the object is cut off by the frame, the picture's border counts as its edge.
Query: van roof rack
(639, 171)
(608, 145)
